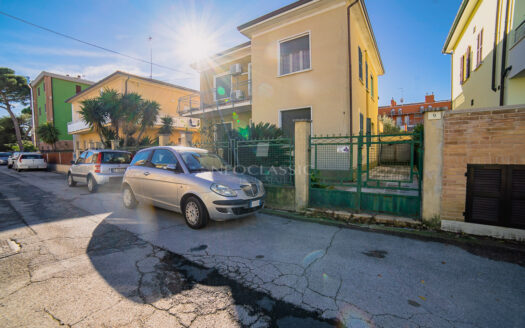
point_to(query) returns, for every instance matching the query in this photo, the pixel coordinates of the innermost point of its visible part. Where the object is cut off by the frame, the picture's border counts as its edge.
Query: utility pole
(150, 58)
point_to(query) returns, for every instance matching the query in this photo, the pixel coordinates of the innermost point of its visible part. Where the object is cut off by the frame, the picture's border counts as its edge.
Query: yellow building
(166, 94)
(487, 46)
(311, 59)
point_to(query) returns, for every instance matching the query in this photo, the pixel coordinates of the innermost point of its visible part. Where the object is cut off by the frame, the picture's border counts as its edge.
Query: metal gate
(375, 173)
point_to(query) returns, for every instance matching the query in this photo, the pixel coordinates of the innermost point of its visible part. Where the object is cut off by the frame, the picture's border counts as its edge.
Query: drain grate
(8, 247)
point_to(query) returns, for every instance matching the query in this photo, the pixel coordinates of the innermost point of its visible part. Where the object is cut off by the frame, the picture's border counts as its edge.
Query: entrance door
(289, 116)
(496, 195)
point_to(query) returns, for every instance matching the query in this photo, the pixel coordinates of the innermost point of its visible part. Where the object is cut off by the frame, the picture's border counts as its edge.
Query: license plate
(255, 203)
(118, 170)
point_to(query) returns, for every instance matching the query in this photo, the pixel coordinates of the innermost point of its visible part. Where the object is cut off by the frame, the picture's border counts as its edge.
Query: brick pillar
(302, 163)
(432, 165)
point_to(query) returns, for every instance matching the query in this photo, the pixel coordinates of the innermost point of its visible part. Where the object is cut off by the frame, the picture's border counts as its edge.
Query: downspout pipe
(495, 49)
(350, 63)
(504, 70)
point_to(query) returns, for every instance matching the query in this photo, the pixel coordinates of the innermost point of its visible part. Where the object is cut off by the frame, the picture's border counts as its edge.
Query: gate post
(359, 169)
(302, 163)
(432, 164)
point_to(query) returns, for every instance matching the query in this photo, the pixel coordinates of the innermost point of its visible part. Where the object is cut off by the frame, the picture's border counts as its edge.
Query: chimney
(393, 102)
(429, 98)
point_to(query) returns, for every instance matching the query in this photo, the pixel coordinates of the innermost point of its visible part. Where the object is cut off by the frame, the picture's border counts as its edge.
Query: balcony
(239, 98)
(178, 123)
(77, 126)
(517, 53)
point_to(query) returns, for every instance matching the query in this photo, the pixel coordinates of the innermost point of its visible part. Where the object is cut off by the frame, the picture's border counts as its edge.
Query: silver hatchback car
(193, 182)
(98, 167)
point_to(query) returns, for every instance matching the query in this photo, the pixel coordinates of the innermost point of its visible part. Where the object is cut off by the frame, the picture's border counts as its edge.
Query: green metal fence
(270, 160)
(378, 173)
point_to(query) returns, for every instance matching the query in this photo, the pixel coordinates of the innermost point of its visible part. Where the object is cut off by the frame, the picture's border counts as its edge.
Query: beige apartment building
(487, 48)
(312, 59)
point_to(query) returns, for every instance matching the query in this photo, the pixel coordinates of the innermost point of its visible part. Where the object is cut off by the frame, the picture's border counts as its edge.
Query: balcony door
(222, 86)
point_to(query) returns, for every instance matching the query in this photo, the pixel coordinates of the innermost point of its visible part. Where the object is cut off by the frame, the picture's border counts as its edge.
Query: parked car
(12, 158)
(98, 167)
(4, 156)
(193, 182)
(27, 161)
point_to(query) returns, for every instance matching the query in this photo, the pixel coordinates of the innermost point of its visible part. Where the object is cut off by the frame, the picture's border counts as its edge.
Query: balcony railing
(241, 92)
(178, 123)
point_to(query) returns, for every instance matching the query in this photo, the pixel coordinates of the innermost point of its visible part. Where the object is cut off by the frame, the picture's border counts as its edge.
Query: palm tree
(167, 125)
(48, 133)
(263, 131)
(130, 108)
(92, 113)
(148, 116)
(110, 101)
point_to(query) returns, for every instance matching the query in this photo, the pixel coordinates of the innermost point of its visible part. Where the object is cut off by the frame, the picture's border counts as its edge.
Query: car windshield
(116, 158)
(203, 161)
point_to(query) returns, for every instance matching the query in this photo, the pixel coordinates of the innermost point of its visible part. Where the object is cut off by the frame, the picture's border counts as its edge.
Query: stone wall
(477, 136)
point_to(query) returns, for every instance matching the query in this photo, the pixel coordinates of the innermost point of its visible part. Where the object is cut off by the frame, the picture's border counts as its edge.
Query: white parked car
(28, 161)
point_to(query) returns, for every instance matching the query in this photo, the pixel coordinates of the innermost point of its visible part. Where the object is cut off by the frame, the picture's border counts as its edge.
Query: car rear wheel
(195, 213)
(70, 181)
(92, 184)
(128, 198)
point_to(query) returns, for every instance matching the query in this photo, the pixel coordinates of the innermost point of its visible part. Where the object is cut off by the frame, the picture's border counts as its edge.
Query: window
(78, 89)
(360, 56)
(479, 49)
(407, 120)
(115, 157)
(162, 158)
(223, 86)
(393, 111)
(288, 118)
(366, 74)
(468, 63)
(39, 110)
(82, 158)
(38, 91)
(294, 55)
(90, 158)
(400, 111)
(222, 131)
(361, 122)
(141, 158)
(372, 86)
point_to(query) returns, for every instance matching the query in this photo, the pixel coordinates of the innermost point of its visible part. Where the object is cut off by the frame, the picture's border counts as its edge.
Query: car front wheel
(195, 213)
(128, 198)
(70, 181)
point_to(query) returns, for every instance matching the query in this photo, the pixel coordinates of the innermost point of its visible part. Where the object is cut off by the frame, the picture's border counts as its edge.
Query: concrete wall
(477, 136)
(432, 165)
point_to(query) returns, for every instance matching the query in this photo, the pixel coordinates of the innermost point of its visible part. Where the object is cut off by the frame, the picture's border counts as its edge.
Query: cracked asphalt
(86, 261)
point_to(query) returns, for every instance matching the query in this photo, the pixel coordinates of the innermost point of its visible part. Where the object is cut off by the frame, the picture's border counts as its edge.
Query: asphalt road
(84, 260)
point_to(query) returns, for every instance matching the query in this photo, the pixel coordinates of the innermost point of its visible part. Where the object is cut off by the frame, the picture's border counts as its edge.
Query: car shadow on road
(151, 275)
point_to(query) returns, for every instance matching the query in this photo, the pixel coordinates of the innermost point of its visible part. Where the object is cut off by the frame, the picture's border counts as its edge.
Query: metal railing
(240, 92)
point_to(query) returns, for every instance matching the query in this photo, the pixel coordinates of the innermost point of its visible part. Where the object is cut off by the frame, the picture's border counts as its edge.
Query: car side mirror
(72, 162)
(174, 167)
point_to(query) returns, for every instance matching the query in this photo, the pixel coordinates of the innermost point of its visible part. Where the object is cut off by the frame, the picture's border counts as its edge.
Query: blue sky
(410, 35)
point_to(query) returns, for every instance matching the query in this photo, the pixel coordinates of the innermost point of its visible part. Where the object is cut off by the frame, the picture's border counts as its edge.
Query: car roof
(106, 150)
(177, 148)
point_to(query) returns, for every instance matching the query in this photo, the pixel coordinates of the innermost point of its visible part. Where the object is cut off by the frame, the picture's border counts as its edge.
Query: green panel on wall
(63, 90)
(330, 198)
(41, 103)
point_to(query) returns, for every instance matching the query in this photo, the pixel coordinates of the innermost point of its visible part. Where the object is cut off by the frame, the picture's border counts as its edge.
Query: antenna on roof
(150, 58)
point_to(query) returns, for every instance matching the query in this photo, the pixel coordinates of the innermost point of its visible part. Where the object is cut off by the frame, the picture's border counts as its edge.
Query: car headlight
(223, 190)
(260, 185)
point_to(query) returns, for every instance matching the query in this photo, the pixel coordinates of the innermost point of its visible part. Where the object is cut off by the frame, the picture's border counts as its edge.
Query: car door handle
(146, 173)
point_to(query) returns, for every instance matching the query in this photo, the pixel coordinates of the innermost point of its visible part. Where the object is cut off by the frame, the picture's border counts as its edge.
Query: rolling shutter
(496, 195)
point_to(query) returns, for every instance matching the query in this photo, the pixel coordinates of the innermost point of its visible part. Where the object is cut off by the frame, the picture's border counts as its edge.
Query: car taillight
(99, 161)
